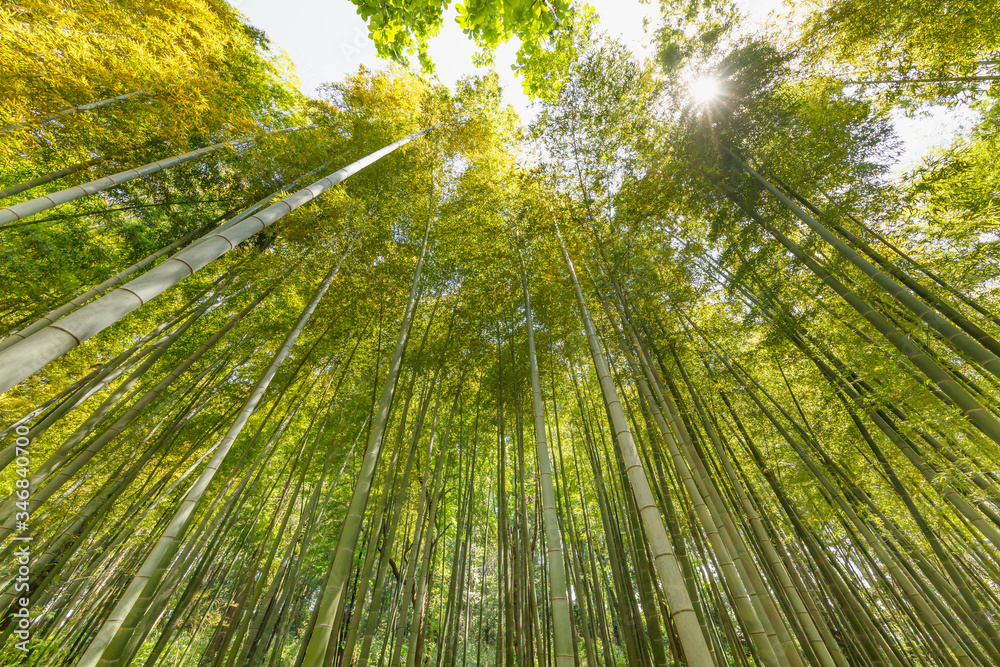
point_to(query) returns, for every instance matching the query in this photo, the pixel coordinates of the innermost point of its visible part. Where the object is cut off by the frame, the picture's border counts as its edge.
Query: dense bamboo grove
(388, 377)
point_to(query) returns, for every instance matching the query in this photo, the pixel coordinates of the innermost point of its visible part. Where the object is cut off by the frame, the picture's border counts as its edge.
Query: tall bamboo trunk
(333, 590)
(559, 601)
(682, 612)
(168, 543)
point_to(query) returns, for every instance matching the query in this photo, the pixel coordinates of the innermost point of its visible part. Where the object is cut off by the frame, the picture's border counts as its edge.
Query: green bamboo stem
(34, 352)
(170, 539)
(347, 542)
(682, 612)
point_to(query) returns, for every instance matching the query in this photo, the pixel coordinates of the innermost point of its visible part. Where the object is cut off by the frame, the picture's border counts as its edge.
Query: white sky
(327, 41)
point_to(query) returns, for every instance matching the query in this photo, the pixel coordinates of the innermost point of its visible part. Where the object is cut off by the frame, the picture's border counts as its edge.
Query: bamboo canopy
(693, 384)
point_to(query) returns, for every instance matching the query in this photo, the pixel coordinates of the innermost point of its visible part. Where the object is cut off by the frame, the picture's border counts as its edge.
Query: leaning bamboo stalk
(605, 610)
(137, 634)
(30, 355)
(808, 632)
(315, 512)
(744, 595)
(885, 423)
(18, 188)
(902, 276)
(155, 495)
(723, 536)
(828, 656)
(60, 456)
(748, 570)
(681, 610)
(71, 111)
(118, 365)
(193, 590)
(846, 381)
(984, 420)
(609, 497)
(97, 506)
(574, 560)
(170, 539)
(973, 348)
(265, 453)
(247, 629)
(107, 545)
(140, 608)
(874, 644)
(744, 601)
(427, 496)
(124, 420)
(81, 391)
(313, 527)
(69, 306)
(10, 215)
(910, 592)
(114, 651)
(430, 541)
(619, 590)
(77, 393)
(965, 298)
(78, 301)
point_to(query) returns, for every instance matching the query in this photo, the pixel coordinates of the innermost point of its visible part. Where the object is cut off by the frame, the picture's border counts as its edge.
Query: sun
(704, 89)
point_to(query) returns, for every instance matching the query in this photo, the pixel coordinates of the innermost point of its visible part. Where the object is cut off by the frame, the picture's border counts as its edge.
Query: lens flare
(704, 89)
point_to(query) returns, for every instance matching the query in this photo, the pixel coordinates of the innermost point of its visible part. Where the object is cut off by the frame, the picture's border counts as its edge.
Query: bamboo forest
(688, 366)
